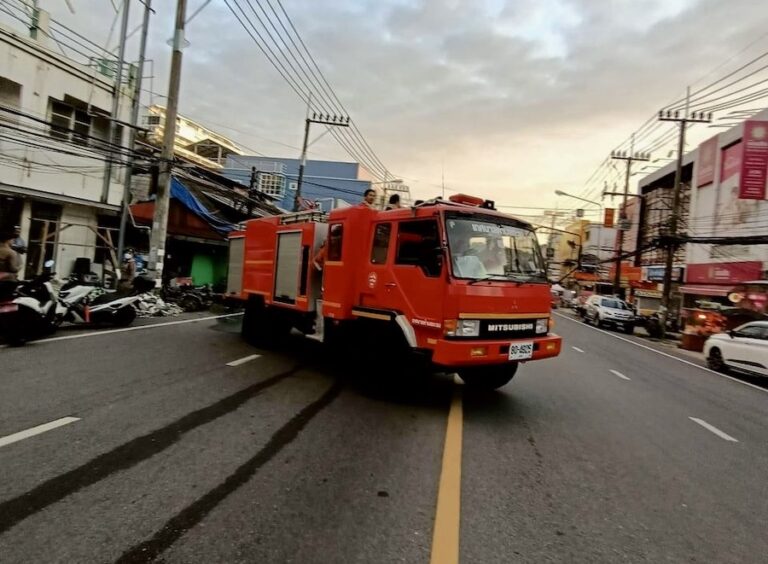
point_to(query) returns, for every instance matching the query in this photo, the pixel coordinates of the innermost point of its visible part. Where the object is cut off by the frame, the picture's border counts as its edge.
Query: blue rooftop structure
(330, 184)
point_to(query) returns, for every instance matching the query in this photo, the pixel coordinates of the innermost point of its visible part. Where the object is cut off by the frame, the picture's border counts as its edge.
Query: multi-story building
(728, 206)
(55, 116)
(194, 142)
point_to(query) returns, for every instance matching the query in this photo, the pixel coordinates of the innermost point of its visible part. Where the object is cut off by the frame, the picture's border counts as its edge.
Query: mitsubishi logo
(513, 306)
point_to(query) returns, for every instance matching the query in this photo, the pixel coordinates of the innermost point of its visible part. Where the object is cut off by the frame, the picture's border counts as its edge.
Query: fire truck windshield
(483, 248)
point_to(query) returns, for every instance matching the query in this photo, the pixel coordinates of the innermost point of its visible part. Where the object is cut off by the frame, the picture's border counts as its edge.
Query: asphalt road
(184, 447)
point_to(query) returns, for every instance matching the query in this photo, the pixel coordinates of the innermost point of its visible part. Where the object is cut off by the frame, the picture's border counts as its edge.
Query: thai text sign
(754, 161)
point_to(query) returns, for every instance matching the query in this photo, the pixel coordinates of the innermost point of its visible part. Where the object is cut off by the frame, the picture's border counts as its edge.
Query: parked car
(744, 349)
(609, 311)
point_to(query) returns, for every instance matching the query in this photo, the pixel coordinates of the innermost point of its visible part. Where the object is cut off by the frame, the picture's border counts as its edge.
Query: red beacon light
(471, 201)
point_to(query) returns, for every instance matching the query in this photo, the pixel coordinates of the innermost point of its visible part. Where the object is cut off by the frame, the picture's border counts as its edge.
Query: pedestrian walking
(127, 272)
(18, 244)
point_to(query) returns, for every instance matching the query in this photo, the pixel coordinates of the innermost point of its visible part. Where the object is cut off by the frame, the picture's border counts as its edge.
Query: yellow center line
(445, 538)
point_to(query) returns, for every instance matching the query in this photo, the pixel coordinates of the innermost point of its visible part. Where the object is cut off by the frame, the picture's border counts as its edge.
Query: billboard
(754, 161)
(705, 162)
(730, 163)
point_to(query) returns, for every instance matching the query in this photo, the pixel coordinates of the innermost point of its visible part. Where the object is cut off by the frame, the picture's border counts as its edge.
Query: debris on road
(150, 305)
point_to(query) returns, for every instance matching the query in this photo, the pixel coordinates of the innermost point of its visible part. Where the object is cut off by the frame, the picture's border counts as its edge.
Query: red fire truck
(455, 283)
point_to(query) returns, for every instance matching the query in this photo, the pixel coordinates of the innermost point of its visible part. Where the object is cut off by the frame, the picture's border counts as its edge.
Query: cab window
(335, 240)
(418, 244)
(380, 243)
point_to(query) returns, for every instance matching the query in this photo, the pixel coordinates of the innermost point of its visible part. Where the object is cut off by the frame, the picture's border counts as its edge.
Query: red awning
(706, 290)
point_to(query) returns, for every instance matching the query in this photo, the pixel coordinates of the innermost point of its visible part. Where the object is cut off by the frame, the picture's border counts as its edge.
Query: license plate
(8, 308)
(520, 351)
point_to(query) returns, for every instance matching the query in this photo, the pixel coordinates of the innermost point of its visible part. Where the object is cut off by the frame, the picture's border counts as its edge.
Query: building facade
(55, 116)
(326, 184)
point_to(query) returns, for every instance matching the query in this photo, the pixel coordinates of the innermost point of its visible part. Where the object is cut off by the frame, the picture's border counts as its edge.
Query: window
(418, 243)
(380, 243)
(335, 239)
(61, 118)
(10, 97)
(153, 120)
(271, 184)
(751, 332)
(69, 123)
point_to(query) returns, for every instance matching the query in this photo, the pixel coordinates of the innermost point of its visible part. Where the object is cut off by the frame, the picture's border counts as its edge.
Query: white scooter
(81, 302)
(28, 307)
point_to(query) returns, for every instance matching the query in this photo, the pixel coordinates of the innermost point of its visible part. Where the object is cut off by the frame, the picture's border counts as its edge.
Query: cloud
(516, 98)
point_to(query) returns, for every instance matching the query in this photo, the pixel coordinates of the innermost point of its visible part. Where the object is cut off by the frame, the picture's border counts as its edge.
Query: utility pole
(135, 107)
(695, 117)
(555, 215)
(629, 158)
(115, 103)
(163, 197)
(337, 121)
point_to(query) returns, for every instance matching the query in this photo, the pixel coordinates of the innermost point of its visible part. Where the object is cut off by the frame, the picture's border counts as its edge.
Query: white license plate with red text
(520, 351)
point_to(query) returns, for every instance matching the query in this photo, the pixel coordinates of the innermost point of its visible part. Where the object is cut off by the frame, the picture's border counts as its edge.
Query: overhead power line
(271, 28)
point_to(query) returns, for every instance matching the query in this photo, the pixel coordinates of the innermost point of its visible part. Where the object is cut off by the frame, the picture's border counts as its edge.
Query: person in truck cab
(466, 263)
(494, 256)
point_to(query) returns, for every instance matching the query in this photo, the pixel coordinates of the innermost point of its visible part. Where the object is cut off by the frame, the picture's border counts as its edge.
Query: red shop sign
(754, 161)
(730, 161)
(723, 272)
(705, 162)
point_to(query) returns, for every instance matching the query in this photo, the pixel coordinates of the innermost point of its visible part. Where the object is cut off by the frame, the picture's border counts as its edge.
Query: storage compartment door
(235, 271)
(288, 267)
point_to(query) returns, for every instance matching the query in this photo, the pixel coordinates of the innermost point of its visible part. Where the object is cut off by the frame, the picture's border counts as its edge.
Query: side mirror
(732, 333)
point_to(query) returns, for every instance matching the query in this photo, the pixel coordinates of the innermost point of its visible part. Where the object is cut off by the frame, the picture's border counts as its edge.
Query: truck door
(406, 270)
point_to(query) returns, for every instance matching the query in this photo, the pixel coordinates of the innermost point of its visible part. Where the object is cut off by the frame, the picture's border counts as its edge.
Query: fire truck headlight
(542, 326)
(468, 328)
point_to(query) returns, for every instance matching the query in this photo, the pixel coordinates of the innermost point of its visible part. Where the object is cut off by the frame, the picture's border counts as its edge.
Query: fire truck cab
(454, 282)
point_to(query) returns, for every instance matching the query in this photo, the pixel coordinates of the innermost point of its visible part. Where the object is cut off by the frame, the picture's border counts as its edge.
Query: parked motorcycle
(28, 308)
(83, 302)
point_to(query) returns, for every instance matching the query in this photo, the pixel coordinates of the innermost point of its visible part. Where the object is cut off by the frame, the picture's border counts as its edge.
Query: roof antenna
(442, 171)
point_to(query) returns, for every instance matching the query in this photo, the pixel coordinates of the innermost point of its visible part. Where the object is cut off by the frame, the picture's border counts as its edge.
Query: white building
(54, 126)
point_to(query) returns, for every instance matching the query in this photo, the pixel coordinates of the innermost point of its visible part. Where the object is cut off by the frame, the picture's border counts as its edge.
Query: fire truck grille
(507, 328)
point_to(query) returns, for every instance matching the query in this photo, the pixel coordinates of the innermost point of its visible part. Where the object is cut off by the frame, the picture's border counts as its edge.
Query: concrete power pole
(132, 135)
(115, 103)
(162, 200)
(696, 117)
(337, 121)
(629, 158)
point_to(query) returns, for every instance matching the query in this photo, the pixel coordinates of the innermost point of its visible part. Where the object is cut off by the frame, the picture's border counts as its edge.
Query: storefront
(720, 296)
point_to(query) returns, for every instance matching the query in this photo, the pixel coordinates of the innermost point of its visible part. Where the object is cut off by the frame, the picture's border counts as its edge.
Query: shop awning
(706, 290)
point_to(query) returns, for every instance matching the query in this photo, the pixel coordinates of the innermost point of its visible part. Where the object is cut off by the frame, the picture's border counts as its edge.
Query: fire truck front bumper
(456, 353)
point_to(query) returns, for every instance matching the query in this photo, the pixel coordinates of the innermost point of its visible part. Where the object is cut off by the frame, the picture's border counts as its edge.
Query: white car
(606, 310)
(744, 349)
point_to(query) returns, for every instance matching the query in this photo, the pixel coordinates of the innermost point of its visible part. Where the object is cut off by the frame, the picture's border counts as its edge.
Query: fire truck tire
(255, 329)
(488, 377)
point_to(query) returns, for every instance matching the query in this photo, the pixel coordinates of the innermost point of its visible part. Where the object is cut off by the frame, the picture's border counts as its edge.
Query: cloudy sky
(511, 99)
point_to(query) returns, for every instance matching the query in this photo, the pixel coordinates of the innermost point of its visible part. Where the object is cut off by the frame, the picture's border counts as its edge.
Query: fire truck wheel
(255, 326)
(488, 377)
